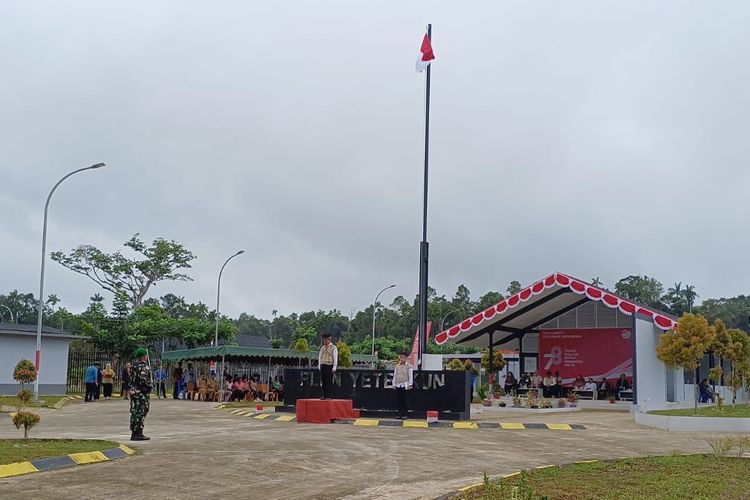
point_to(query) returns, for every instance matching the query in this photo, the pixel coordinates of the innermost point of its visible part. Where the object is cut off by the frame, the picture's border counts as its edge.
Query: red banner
(413, 357)
(588, 352)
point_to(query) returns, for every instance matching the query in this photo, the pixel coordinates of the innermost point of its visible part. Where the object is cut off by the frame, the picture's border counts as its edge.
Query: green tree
(115, 272)
(513, 288)
(345, 354)
(641, 289)
(734, 346)
(684, 346)
(25, 373)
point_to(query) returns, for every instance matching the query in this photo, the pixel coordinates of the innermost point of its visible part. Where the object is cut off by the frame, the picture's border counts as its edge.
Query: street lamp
(442, 323)
(41, 279)
(374, 312)
(11, 313)
(218, 291)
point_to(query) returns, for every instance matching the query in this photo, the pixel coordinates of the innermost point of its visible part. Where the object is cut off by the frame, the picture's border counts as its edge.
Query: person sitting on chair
(212, 389)
(603, 388)
(202, 388)
(590, 386)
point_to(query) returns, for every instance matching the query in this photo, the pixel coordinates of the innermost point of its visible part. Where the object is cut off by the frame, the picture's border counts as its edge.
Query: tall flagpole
(424, 246)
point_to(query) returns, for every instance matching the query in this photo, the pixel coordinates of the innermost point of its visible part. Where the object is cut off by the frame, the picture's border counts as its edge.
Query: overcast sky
(593, 138)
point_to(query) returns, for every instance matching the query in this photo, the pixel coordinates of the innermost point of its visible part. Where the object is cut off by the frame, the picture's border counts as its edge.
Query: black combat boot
(138, 436)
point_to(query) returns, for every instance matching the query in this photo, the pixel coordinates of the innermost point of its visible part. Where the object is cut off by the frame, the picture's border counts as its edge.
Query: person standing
(176, 379)
(403, 378)
(126, 372)
(188, 376)
(140, 394)
(92, 374)
(99, 378)
(108, 380)
(161, 382)
(328, 360)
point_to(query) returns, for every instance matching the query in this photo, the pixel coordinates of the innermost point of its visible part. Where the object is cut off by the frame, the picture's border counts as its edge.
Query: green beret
(141, 351)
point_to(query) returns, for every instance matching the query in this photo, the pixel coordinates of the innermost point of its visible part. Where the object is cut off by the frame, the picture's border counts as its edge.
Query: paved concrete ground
(196, 451)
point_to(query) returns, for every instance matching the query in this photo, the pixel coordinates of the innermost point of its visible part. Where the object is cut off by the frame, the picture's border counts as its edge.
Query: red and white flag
(426, 55)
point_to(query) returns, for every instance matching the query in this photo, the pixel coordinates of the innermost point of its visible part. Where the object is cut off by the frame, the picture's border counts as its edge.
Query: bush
(24, 372)
(27, 420)
(455, 365)
(482, 391)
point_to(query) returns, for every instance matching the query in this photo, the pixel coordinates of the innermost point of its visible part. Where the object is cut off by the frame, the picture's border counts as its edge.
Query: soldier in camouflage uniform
(140, 393)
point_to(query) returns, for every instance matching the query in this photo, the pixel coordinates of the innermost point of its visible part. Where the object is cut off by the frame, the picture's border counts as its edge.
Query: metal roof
(251, 352)
(537, 304)
(30, 330)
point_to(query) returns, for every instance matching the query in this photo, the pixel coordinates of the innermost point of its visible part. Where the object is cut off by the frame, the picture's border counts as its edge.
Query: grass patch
(14, 450)
(14, 402)
(671, 477)
(252, 404)
(741, 411)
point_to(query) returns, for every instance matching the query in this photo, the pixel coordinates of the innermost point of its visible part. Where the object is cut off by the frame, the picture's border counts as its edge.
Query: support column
(635, 359)
(490, 364)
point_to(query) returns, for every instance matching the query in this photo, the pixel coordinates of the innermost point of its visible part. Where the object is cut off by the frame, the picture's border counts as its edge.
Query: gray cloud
(593, 138)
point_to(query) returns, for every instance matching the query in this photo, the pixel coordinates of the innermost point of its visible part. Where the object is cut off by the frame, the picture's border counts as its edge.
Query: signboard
(372, 390)
(588, 352)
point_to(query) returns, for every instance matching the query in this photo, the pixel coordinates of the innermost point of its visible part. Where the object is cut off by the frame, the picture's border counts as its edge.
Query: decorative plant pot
(502, 404)
(487, 403)
(611, 401)
(535, 407)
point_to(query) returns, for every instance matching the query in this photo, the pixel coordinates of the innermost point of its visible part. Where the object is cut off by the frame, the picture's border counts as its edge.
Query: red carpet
(316, 411)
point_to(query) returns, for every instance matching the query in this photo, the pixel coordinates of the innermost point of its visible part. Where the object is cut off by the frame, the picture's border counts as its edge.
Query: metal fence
(80, 358)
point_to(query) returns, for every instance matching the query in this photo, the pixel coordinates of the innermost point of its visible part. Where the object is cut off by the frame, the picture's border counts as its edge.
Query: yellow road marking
(465, 425)
(416, 423)
(88, 457)
(16, 469)
(236, 411)
(262, 416)
(467, 488)
(285, 418)
(512, 425)
(559, 427)
(367, 422)
(129, 451)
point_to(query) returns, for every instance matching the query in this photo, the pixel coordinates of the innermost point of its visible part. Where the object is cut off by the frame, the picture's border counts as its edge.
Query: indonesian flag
(414, 356)
(425, 54)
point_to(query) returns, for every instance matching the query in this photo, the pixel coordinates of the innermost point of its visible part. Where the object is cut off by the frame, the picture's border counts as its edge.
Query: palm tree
(675, 296)
(97, 298)
(690, 295)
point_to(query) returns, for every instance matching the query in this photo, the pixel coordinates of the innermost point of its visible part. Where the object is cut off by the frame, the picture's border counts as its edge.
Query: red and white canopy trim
(543, 287)
(426, 55)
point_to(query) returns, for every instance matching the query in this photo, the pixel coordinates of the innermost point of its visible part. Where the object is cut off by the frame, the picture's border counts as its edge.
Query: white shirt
(590, 386)
(335, 356)
(409, 382)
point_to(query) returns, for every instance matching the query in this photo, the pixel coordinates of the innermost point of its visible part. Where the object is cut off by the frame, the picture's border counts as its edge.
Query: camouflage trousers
(139, 405)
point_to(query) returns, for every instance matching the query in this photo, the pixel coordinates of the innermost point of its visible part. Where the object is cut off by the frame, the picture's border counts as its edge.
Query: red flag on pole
(425, 54)
(415, 345)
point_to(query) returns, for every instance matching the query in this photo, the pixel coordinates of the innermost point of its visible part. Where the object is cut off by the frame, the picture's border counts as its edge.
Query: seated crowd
(236, 388)
(552, 386)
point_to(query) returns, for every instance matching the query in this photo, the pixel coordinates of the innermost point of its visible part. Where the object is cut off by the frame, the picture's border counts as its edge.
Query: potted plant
(502, 404)
(611, 399)
(516, 402)
(562, 402)
(482, 391)
(546, 403)
(572, 399)
(532, 400)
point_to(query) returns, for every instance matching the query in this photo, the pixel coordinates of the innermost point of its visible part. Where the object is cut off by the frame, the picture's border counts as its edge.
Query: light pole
(374, 313)
(41, 279)
(442, 323)
(218, 292)
(11, 313)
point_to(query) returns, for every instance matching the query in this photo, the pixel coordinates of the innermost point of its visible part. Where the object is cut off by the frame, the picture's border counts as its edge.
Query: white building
(19, 341)
(613, 336)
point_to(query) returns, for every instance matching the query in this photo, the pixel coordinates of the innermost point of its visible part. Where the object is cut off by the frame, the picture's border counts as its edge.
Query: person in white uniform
(403, 378)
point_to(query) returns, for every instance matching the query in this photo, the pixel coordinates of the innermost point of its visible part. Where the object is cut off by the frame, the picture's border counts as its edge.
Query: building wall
(651, 377)
(53, 375)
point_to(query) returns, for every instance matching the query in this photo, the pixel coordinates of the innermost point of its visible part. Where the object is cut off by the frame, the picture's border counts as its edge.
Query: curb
(465, 489)
(64, 400)
(52, 463)
(414, 424)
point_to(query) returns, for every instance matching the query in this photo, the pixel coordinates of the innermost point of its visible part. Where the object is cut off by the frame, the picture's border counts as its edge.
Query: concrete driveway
(197, 451)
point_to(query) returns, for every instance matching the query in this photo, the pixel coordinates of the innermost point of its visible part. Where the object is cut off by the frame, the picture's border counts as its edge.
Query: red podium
(319, 411)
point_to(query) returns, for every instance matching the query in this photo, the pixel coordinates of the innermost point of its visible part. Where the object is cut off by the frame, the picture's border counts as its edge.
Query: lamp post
(218, 292)
(374, 313)
(11, 313)
(40, 312)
